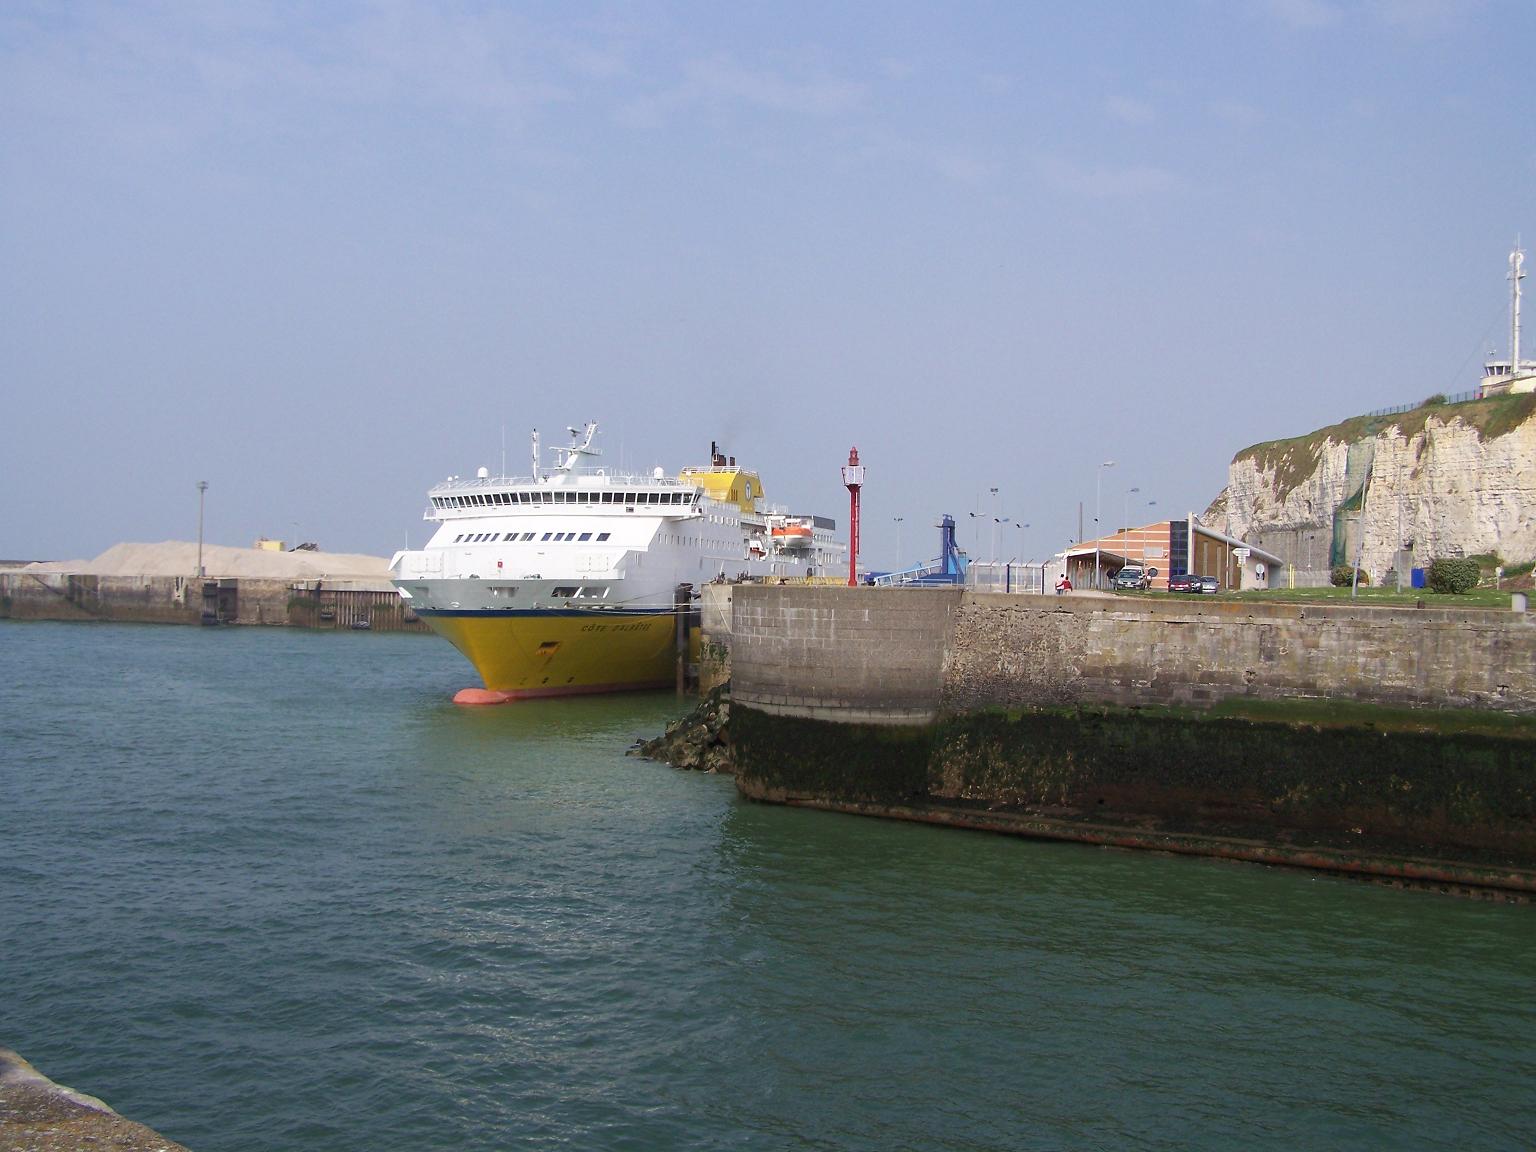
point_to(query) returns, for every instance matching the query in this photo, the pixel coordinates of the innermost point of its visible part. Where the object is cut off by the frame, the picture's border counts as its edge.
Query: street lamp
(994, 526)
(897, 521)
(1098, 527)
(995, 522)
(202, 487)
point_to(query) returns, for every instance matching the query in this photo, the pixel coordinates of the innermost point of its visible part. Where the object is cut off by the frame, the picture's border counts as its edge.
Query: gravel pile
(179, 558)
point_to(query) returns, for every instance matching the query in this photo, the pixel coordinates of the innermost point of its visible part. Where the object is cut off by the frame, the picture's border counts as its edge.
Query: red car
(1183, 582)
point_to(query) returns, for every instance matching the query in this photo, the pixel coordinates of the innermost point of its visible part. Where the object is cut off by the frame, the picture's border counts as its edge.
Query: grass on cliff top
(1293, 460)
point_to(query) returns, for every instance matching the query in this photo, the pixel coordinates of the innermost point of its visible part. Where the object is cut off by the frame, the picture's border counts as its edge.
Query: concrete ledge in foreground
(37, 1115)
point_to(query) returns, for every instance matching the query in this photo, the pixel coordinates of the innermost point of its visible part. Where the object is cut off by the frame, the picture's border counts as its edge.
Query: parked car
(1133, 576)
(1183, 582)
(1209, 586)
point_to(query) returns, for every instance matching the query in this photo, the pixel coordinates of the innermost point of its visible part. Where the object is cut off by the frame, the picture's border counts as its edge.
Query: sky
(323, 256)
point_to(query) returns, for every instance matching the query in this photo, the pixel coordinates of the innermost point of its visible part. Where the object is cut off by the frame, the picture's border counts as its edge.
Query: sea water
(270, 890)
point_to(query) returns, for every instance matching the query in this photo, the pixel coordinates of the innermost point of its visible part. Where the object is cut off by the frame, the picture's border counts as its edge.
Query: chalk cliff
(1438, 480)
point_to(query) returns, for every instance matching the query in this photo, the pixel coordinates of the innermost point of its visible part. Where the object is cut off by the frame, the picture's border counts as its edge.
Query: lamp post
(1023, 555)
(897, 521)
(202, 488)
(994, 527)
(1098, 528)
(995, 522)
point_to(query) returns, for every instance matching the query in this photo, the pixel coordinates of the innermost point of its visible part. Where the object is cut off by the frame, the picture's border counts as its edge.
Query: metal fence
(1458, 398)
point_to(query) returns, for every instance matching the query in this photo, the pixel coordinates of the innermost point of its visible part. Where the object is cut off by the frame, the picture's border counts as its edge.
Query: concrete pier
(37, 1115)
(1394, 742)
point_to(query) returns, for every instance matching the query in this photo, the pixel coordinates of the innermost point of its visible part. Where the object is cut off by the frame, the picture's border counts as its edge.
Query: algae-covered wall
(1467, 794)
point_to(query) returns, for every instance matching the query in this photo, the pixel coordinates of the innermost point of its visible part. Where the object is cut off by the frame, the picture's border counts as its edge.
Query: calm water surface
(269, 890)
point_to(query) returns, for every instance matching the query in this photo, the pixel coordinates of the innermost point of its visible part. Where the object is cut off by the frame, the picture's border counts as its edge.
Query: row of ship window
(565, 591)
(496, 499)
(508, 537)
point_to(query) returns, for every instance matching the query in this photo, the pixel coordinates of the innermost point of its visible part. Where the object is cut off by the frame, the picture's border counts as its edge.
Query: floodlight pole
(202, 488)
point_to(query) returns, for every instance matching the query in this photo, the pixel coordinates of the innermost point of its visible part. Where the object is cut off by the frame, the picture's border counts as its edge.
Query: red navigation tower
(853, 479)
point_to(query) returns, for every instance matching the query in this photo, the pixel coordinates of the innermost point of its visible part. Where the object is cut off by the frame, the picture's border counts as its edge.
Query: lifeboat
(791, 534)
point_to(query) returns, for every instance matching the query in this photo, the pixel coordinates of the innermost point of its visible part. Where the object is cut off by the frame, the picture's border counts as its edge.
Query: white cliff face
(1435, 480)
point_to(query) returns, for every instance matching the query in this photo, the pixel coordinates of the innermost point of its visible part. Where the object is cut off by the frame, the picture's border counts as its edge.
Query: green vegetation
(1343, 576)
(1293, 461)
(1453, 577)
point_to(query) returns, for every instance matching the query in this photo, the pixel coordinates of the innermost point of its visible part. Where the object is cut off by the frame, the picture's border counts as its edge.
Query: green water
(270, 890)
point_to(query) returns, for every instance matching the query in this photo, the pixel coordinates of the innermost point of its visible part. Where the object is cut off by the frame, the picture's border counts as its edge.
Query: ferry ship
(565, 581)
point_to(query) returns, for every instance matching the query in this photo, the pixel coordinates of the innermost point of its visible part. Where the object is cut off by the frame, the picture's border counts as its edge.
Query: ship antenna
(1516, 274)
(535, 452)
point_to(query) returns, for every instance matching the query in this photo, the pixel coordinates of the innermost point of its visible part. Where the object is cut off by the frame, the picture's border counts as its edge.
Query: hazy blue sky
(320, 255)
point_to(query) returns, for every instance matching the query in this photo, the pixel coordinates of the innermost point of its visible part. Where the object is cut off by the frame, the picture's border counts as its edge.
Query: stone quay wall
(75, 596)
(857, 655)
(903, 656)
(184, 599)
(1070, 650)
(1100, 719)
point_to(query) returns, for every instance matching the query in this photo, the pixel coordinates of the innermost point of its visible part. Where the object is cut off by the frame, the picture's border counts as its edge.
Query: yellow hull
(561, 654)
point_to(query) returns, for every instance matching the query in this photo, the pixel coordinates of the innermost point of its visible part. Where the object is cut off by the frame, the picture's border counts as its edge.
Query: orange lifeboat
(791, 534)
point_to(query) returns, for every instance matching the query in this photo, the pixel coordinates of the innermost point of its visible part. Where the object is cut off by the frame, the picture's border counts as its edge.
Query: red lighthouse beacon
(853, 479)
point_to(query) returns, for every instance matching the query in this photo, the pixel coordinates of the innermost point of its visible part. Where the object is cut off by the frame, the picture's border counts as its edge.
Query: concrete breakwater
(1396, 742)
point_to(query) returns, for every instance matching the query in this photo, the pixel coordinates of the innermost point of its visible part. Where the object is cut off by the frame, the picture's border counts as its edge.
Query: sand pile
(179, 558)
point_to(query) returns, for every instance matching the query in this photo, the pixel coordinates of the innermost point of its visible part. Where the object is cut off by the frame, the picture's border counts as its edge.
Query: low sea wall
(188, 600)
(1367, 736)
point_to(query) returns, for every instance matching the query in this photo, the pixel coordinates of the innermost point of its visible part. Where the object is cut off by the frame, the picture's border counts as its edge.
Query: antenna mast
(535, 450)
(1516, 274)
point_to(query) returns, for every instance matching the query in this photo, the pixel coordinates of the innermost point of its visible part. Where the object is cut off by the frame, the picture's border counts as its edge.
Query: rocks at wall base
(700, 741)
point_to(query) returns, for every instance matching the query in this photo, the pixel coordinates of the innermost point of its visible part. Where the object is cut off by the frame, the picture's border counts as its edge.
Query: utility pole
(202, 488)
(1098, 525)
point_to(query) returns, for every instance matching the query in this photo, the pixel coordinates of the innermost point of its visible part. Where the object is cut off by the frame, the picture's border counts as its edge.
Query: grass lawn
(1383, 597)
